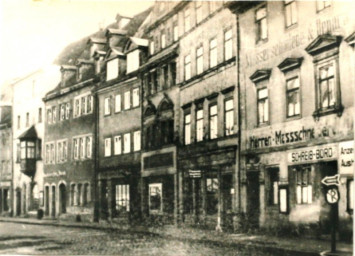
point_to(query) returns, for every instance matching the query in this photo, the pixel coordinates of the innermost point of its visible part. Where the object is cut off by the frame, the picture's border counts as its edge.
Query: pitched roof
(30, 133)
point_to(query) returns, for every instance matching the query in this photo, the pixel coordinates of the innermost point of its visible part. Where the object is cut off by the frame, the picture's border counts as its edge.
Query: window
(108, 147)
(62, 112)
(187, 67)
(198, 6)
(117, 103)
(127, 143)
(199, 124)
(175, 28)
(83, 105)
(27, 119)
(261, 23)
(47, 153)
(213, 121)
(52, 153)
(173, 73)
(228, 45)
(112, 69)
(137, 140)
(118, 145)
(290, 12)
(212, 185)
(350, 195)
(151, 47)
(263, 106)
(162, 39)
(76, 148)
(135, 99)
(19, 122)
(187, 20)
(229, 117)
(65, 150)
(82, 147)
(213, 53)
(322, 4)
(49, 116)
(40, 115)
(155, 198)
(107, 110)
(90, 103)
(326, 83)
(293, 96)
(59, 152)
(132, 61)
(54, 114)
(67, 110)
(27, 150)
(274, 186)
(304, 186)
(165, 71)
(122, 198)
(127, 100)
(76, 107)
(199, 60)
(187, 130)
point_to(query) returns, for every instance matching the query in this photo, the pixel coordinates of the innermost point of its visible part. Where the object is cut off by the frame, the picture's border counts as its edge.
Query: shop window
(304, 185)
(350, 196)
(135, 99)
(213, 120)
(122, 198)
(263, 106)
(175, 28)
(199, 124)
(137, 141)
(213, 52)
(127, 143)
(198, 7)
(187, 128)
(112, 69)
(273, 174)
(118, 145)
(212, 185)
(229, 117)
(293, 97)
(187, 67)
(117, 103)
(199, 60)
(107, 147)
(187, 20)
(290, 12)
(261, 23)
(39, 115)
(107, 110)
(155, 198)
(228, 45)
(322, 4)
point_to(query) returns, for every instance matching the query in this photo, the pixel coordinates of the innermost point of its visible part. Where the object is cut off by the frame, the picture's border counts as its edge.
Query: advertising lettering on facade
(318, 153)
(346, 157)
(55, 174)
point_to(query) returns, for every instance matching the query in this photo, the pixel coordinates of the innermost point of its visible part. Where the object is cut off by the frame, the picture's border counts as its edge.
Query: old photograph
(177, 127)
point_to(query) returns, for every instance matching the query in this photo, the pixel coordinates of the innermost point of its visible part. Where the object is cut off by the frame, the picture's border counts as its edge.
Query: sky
(34, 32)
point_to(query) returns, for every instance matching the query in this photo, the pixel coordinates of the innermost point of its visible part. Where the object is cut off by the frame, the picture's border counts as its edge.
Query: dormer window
(112, 69)
(151, 47)
(132, 61)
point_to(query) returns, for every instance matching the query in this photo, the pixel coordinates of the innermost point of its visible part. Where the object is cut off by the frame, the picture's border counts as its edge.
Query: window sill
(263, 124)
(261, 41)
(337, 109)
(291, 27)
(292, 118)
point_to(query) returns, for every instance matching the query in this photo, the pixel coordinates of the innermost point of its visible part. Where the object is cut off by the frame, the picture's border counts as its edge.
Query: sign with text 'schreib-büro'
(317, 153)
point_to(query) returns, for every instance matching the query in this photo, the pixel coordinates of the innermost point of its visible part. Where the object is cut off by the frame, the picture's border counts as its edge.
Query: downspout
(96, 153)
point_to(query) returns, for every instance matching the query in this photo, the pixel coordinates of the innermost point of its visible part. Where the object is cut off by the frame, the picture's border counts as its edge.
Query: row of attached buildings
(227, 115)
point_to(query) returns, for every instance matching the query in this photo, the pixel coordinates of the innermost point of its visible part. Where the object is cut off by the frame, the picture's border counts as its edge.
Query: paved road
(50, 240)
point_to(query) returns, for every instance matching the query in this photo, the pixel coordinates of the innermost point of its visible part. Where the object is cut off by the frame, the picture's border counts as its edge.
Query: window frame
(258, 100)
(127, 146)
(198, 11)
(213, 51)
(111, 76)
(137, 141)
(118, 103)
(125, 195)
(187, 20)
(324, 6)
(290, 4)
(187, 127)
(259, 24)
(161, 208)
(117, 145)
(210, 117)
(107, 147)
(231, 98)
(135, 97)
(187, 67)
(301, 186)
(288, 91)
(107, 106)
(199, 60)
(226, 41)
(127, 100)
(199, 136)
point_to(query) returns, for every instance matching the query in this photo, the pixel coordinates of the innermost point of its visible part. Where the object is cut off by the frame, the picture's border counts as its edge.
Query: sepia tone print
(181, 128)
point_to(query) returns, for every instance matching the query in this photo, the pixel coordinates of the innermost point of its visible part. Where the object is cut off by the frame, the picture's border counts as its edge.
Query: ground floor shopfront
(284, 188)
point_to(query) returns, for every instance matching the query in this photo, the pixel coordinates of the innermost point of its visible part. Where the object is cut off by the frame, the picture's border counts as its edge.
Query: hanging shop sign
(346, 157)
(311, 154)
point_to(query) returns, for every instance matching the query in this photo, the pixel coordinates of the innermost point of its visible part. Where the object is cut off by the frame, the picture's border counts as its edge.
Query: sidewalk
(275, 245)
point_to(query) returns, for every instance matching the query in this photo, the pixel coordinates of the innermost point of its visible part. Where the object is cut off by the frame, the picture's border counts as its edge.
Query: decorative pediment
(260, 74)
(290, 63)
(323, 43)
(165, 104)
(351, 39)
(149, 110)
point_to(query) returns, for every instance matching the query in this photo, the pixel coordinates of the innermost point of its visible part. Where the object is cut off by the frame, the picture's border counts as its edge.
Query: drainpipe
(96, 154)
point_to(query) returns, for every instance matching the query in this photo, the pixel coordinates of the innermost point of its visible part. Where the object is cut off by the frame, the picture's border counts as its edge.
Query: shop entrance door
(253, 203)
(18, 202)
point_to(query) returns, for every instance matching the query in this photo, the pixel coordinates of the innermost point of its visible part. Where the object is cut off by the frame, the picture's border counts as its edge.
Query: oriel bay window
(263, 106)
(213, 121)
(293, 96)
(229, 117)
(261, 23)
(27, 150)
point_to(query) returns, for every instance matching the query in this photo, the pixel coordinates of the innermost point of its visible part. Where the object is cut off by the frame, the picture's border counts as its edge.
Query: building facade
(28, 134)
(297, 101)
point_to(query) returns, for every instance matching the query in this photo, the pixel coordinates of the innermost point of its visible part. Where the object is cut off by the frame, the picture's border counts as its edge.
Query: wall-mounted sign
(195, 174)
(55, 174)
(346, 157)
(332, 195)
(331, 180)
(318, 153)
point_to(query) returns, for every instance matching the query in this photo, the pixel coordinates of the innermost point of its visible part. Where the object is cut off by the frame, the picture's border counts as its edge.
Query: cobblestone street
(49, 240)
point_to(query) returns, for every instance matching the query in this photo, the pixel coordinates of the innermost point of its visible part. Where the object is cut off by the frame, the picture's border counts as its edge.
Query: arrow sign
(331, 180)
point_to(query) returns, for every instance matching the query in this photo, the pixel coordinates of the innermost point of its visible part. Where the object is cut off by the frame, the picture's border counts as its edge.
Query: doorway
(253, 199)
(62, 198)
(46, 198)
(18, 202)
(53, 201)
